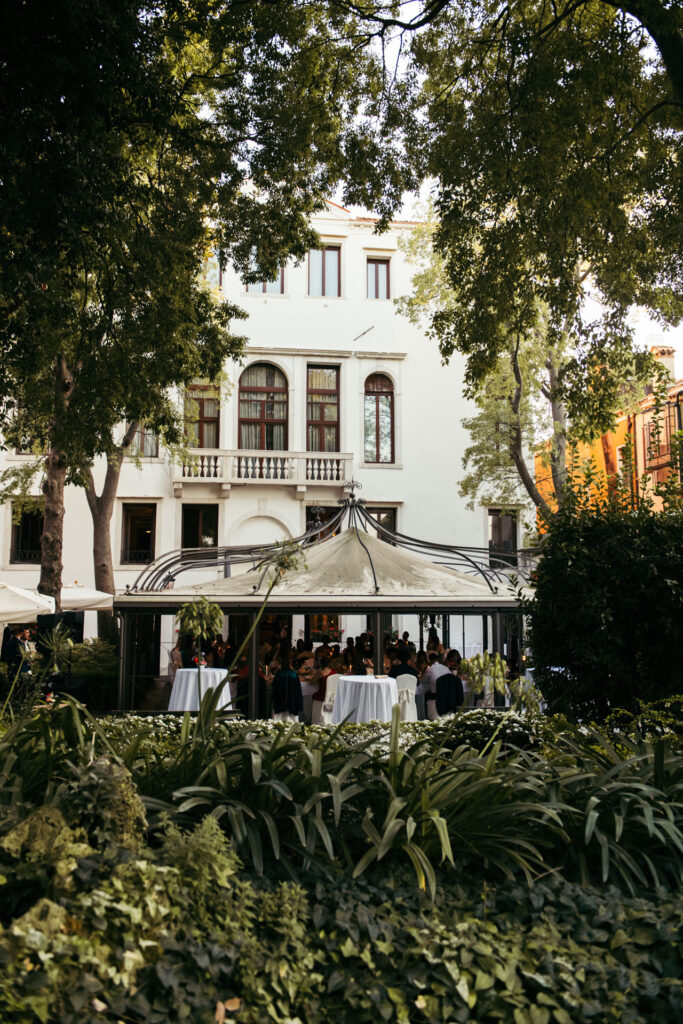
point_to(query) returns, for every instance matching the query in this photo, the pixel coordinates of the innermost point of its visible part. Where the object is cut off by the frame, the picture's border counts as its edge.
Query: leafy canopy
(555, 148)
(134, 140)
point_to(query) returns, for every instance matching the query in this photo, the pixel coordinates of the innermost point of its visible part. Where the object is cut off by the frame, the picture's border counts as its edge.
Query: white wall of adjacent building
(359, 336)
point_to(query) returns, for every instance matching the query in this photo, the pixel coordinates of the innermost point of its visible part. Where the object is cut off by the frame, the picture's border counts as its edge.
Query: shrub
(182, 934)
(607, 611)
(659, 718)
(94, 656)
(294, 799)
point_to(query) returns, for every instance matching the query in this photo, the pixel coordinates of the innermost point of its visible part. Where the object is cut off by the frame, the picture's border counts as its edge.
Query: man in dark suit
(449, 691)
(16, 652)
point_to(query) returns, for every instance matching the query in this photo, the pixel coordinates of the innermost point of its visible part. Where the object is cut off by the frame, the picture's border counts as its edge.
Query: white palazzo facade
(335, 386)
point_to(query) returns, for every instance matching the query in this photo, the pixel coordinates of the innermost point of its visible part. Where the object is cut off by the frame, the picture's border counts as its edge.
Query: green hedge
(116, 931)
(103, 920)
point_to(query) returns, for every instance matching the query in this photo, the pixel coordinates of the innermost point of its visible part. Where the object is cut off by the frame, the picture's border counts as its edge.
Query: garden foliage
(167, 934)
(203, 868)
(608, 606)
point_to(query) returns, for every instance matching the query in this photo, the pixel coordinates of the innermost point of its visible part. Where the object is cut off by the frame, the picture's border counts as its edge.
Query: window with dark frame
(324, 271)
(145, 443)
(263, 409)
(319, 516)
(378, 278)
(26, 534)
(657, 439)
(385, 517)
(379, 419)
(202, 416)
(274, 287)
(138, 534)
(502, 537)
(322, 408)
(199, 526)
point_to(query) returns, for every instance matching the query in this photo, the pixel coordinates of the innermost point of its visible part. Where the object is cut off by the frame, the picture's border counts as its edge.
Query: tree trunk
(610, 457)
(516, 446)
(558, 452)
(52, 539)
(102, 508)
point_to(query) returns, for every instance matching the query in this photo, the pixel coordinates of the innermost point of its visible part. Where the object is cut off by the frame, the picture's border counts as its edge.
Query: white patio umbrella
(18, 605)
(77, 598)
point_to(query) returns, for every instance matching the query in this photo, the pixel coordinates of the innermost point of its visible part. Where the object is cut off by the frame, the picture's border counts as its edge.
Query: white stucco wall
(359, 335)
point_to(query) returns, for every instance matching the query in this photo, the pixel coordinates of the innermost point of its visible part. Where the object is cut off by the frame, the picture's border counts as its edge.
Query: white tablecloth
(365, 699)
(184, 696)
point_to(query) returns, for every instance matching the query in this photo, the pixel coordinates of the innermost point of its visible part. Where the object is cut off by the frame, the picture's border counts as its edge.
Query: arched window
(379, 419)
(263, 409)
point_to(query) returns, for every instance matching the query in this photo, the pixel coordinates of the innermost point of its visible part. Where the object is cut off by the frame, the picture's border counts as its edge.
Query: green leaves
(554, 143)
(407, 898)
(615, 634)
(316, 800)
(200, 618)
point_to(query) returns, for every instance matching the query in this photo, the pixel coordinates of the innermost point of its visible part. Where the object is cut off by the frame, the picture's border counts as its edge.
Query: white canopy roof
(76, 598)
(339, 573)
(19, 605)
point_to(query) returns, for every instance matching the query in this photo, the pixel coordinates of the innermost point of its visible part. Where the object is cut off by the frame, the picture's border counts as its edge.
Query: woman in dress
(362, 663)
(286, 688)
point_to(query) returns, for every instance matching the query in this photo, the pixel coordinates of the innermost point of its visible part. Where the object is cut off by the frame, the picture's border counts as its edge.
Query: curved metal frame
(473, 561)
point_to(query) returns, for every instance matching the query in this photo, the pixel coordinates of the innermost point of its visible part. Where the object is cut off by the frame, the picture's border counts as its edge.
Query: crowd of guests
(289, 672)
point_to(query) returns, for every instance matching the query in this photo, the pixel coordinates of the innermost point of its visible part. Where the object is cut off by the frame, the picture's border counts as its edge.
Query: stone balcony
(236, 468)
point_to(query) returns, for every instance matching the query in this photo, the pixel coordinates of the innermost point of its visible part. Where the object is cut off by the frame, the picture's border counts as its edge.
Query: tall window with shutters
(379, 419)
(202, 416)
(322, 409)
(502, 537)
(145, 444)
(138, 534)
(263, 409)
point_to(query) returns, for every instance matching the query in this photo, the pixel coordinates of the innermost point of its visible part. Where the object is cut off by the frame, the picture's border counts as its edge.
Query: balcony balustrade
(245, 467)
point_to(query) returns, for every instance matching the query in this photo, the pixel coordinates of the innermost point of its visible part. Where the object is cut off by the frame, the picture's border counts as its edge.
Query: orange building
(640, 447)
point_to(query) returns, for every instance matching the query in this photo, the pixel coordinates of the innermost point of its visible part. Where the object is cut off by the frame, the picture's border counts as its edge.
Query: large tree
(553, 132)
(134, 138)
(518, 410)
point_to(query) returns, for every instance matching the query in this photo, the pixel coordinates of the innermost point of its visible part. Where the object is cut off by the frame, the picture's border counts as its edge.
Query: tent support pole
(378, 652)
(497, 634)
(253, 667)
(123, 662)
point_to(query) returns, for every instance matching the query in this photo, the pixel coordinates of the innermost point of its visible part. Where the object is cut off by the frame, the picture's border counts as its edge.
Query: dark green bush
(94, 656)
(171, 933)
(607, 611)
(296, 799)
(96, 925)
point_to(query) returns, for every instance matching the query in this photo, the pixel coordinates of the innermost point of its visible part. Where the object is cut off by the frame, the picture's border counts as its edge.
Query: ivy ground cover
(205, 869)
